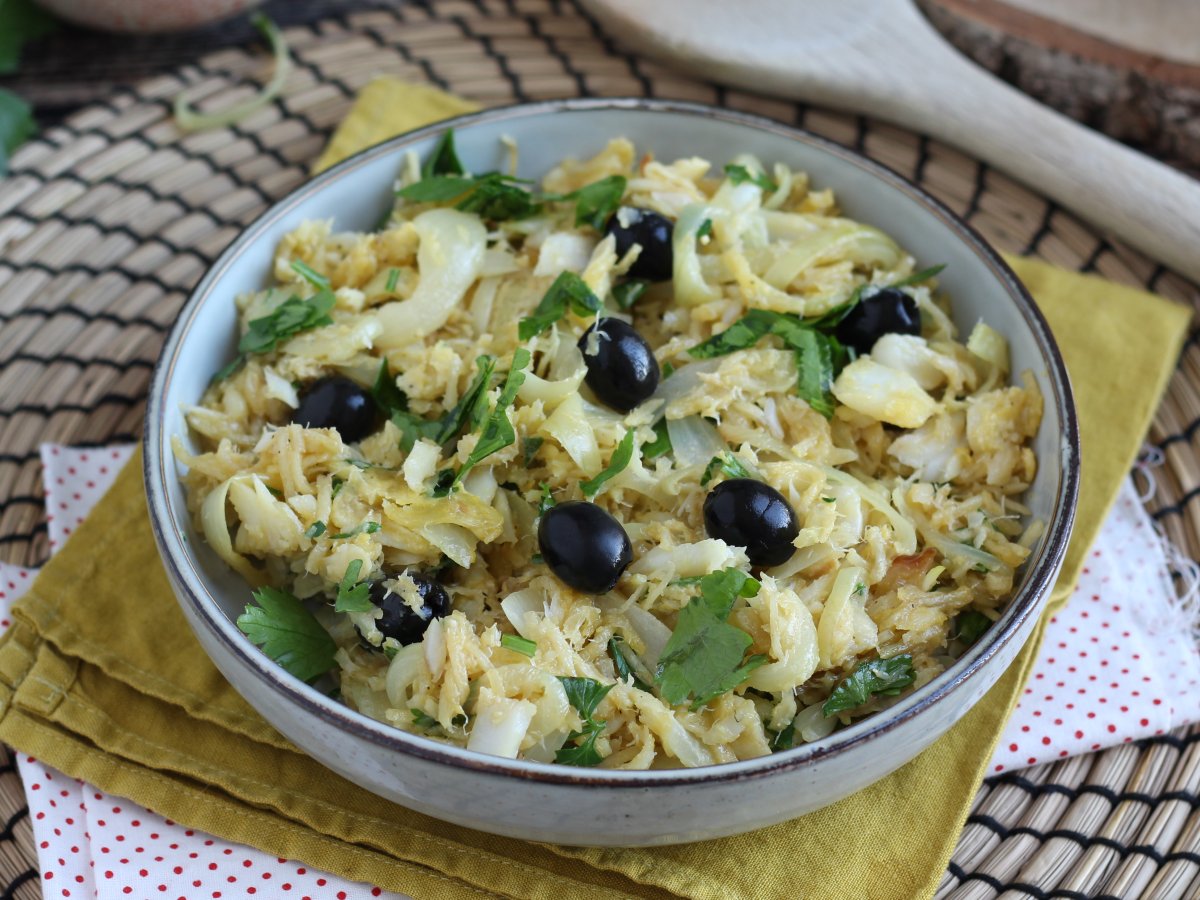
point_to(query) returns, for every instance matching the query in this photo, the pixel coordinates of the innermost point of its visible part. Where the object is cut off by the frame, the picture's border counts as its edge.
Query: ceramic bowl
(540, 801)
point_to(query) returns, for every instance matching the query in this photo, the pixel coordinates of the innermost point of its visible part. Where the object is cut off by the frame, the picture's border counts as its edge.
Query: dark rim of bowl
(1038, 583)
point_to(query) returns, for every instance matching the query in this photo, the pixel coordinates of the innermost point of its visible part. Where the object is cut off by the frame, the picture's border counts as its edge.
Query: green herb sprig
(882, 677)
(585, 695)
(351, 595)
(568, 291)
(288, 633)
(291, 317)
(616, 465)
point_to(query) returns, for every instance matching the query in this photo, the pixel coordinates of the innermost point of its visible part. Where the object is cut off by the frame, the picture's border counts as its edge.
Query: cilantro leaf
(21, 21)
(444, 158)
(886, 677)
(311, 275)
(498, 431)
(705, 656)
(351, 596)
(389, 398)
(661, 443)
(620, 459)
(568, 290)
(288, 633)
(621, 655)
(629, 292)
(16, 125)
(530, 447)
(596, 202)
(727, 464)
(970, 625)
(741, 175)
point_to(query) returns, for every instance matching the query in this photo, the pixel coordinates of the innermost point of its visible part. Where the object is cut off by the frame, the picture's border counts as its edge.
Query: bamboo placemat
(107, 220)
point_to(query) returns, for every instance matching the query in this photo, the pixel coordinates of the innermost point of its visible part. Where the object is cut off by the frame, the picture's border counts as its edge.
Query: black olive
(623, 372)
(337, 402)
(399, 621)
(887, 311)
(632, 225)
(746, 513)
(584, 546)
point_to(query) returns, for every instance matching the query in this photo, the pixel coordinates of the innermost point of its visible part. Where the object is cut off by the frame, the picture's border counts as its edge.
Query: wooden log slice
(1086, 60)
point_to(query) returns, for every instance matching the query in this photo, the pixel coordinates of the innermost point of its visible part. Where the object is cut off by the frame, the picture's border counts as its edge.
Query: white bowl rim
(290, 690)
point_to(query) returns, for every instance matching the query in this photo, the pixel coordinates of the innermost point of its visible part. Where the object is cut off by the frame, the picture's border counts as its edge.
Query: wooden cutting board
(1129, 68)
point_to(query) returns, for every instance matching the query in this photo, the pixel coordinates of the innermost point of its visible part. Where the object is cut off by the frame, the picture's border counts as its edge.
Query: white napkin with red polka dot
(1119, 662)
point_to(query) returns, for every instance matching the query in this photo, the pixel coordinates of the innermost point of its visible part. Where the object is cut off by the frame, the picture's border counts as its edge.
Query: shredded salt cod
(652, 464)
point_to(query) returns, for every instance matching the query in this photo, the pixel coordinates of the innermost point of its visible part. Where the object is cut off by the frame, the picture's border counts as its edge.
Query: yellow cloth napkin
(101, 677)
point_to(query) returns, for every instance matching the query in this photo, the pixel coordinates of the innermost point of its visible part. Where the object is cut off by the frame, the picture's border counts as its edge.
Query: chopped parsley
(725, 464)
(392, 280)
(970, 625)
(529, 449)
(470, 409)
(629, 292)
(288, 633)
(585, 695)
(785, 739)
(661, 443)
(705, 229)
(596, 202)
(882, 677)
(567, 291)
(352, 596)
(620, 459)
(492, 195)
(518, 644)
(315, 530)
(388, 397)
(498, 431)
(818, 355)
(621, 655)
(422, 719)
(741, 175)
(289, 318)
(444, 158)
(547, 499)
(705, 656)
(336, 487)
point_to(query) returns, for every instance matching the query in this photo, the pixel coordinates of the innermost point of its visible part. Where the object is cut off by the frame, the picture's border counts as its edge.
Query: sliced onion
(216, 532)
(518, 605)
(406, 667)
(653, 633)
(694, 440)
(686, 380)
(189, 119)
(500, 724)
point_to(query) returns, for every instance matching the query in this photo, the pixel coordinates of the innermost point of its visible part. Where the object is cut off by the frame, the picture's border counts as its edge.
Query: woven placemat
(107, 220)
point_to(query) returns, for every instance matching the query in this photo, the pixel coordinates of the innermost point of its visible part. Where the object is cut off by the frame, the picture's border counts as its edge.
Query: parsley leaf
(727, 464)
(704, 656)
(918, 277)
(886, 677)
(661, 443)
(311, 275)
(392, 280)
(743, 333)
(498, 432)
(351, 596)
(389, 398)
(492, 196)
(471, 408)
(705, 229)
(444, 158)
(288, 633)
(289, 318)
(315, 530)
(547, 500)
(422, 719)
(530, 447)
(21, 21)
(585, 695)
(785, 739)
(970, 625)
(620, 459)
(740, 175)
(568, 290)
(814, 368)
(596, 202)
(16, 124)
(629, 292)
(621, 655)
